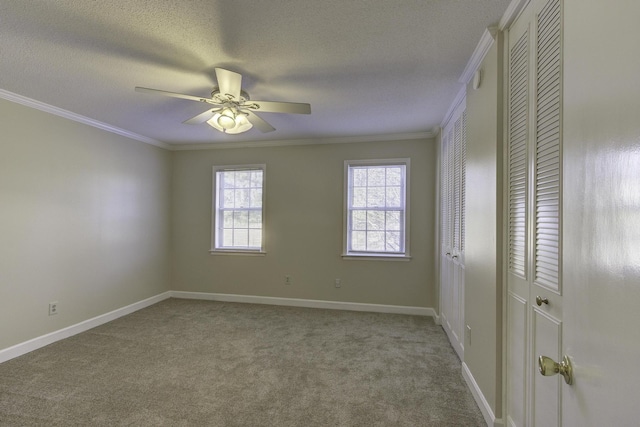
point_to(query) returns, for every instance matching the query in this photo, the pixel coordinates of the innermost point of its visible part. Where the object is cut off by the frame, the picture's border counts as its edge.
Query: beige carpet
(202, 363)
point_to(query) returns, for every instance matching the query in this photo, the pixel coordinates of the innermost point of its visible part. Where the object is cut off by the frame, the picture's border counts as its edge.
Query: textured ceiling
(367, 67)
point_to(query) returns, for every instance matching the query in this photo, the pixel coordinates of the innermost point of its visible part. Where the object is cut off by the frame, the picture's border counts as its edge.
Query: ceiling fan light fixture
(230, 121)
(227, 119)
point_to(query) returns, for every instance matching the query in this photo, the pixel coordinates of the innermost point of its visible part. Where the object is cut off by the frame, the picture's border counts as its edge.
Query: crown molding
(458, 101)
(512, 12)
(307, 141)
(485, 43)
(32, 103)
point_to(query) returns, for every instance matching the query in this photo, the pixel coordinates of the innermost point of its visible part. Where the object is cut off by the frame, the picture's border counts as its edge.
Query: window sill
(375, 257)
(235, 252)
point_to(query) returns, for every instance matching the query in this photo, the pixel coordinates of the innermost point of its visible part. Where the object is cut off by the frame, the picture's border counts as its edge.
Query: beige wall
(84, 220)
(483, 254)
(304, 222)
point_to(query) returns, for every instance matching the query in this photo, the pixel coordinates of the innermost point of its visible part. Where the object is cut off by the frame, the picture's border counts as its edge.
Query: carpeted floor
(203, 363)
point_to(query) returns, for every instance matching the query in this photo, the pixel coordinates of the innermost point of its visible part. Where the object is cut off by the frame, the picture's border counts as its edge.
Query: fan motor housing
(218, 97)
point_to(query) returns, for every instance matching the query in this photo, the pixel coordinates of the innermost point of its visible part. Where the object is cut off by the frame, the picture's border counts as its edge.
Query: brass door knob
(540, 300)
(548, 367)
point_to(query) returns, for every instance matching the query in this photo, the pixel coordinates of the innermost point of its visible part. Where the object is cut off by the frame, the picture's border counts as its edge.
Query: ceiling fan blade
(174, 95)
(282, 107)
(258, 122)
(201, 118)
(229, 83)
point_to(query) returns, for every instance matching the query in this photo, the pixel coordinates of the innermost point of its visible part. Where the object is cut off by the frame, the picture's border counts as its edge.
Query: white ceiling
(367, 67)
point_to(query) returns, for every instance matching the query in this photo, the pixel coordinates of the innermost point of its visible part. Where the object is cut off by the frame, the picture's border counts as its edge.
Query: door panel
(546, 390)
(601, 233)
(516, 359)
(534, 209)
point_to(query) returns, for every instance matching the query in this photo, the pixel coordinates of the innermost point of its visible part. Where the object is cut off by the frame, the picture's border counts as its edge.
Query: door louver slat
(547, 148)
(518, 134)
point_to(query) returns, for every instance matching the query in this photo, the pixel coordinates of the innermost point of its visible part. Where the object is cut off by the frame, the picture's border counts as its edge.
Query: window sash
(238, 209)
(376, 223)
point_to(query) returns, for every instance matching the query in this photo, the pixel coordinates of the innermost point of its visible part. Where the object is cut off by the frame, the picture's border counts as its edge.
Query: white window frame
(348, 185)
(216, 246)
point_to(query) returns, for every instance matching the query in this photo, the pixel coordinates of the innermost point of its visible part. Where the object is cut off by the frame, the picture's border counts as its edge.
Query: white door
(534, 194)
(602, 212)
(452, 190)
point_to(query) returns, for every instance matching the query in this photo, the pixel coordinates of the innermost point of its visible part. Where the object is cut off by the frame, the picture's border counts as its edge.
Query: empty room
(319, 213)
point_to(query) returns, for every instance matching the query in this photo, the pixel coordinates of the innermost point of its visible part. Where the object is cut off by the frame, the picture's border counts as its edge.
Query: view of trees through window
(376, 208)
(239, 209)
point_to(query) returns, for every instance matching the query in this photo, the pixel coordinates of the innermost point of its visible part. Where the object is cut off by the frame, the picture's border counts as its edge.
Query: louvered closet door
(534, 213)
(452, 276)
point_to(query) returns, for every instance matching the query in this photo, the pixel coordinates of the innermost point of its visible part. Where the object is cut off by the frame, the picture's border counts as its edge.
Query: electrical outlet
(53, 308)
(287, 280)
(338, 283)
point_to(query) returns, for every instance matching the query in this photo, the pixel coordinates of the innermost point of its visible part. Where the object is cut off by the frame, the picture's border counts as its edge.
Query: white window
(238, 214)
(376, 208)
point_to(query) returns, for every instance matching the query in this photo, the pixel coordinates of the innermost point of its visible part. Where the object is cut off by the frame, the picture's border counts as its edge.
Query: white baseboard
(486, 410)
(309, 303)
(41, 341)
(44, 340)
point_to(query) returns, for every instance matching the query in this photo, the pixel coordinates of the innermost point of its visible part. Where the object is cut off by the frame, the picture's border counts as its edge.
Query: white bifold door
(452, 204)
(534, 213)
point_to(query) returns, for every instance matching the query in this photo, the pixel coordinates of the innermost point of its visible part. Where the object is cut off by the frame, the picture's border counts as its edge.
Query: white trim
(485, 408)
(215, 199)
(460, 101)
(406, 227)
(309, 303)
(375, 257)
(512, 12)
(32, 103)
(309, 141)
(485, 43)
(44, 340)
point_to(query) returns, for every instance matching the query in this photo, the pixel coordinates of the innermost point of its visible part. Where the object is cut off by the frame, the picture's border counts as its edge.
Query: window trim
(215, 217)
(386, 256)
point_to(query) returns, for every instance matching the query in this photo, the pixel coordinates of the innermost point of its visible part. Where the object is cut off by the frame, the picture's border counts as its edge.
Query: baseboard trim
(487, 413)
(44, 340)
(296, 302)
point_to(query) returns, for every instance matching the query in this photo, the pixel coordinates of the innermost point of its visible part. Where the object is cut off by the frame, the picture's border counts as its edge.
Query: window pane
(227, 179)
(241, 237)
(255, 219)
(359, 198)
(394, 176)
(393, 241)
(375, 197)
(243, 179)
(240, 219)
(375, 241)
(256, 179)
(393, 197)
(255, 195)
(255, 238)
(227, 219)
(375, 220)
(359, 241)
(375, 177)
(393, 221)
(228, 199)
(227, 237)
(242, 198)
(359, 220)
(359, 177)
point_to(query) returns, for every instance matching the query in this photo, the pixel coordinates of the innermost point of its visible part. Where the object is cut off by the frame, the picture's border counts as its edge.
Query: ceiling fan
(234, 112)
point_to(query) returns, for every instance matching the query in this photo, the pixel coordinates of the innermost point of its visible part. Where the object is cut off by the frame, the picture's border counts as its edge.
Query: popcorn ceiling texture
(202, 363)
(366, 67)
